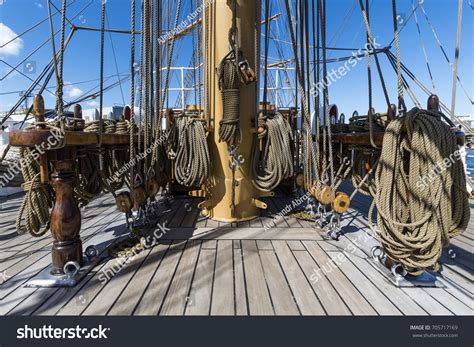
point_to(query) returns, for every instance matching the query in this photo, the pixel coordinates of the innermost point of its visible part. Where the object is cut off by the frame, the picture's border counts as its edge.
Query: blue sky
(345, 29)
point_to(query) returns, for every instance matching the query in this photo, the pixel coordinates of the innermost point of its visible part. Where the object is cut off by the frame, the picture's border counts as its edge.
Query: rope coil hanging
(188, 147)
(275, 163)
(418, 211)
(228, 73)
(229, 83)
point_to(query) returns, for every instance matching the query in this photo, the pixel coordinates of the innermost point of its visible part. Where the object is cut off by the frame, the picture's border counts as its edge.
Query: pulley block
(341, 203)
(124, 202)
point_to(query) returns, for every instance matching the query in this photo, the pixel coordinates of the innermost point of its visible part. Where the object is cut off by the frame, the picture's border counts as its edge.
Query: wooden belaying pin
(38, 106)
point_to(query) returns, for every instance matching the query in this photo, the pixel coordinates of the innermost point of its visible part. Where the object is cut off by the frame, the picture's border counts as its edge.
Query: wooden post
(66, 216)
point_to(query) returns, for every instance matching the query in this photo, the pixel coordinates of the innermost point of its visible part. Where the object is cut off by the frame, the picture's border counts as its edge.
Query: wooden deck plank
(449, 301)
(281, 295)
(209, 244)
(151, 301)
(257, 292)
(223, 291)
(327, 294)
(296, 245)
(378, 300)
(192, 214)
(307, 300)
(241, 307)
(243, 234)
(129, 298)
(428, 303)
(175, 301)
(399, 298)
(199, 303)
(351, 296)
(264, 245)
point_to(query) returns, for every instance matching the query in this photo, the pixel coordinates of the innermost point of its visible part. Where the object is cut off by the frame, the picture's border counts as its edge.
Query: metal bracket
(398, 276)
(74, 273)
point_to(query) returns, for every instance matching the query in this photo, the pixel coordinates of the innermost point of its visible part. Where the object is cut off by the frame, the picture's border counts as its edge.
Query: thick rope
(275, 163)
(189, 150)
(418, 211)
(229, 83)
(33, 216)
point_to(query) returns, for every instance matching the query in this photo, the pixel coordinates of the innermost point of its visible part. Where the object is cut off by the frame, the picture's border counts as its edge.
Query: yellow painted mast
(221, 190)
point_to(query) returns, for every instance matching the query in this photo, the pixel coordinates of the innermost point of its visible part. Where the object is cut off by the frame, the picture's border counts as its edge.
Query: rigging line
(426, 90)
(24, 75)
(66, 19)
(46, 71)
(379, 69)
(425, 54)
(435, 34)
(94, 95)
(313, 46)
(307, 48)
(456, 58)
(322, 13)
(115, 59)
(316, 58)
(53, 46)
(170, 54)
(401, 102)
(65, 84)
(369, 70)
(34, 26)
(101, 95)
(265, 66)
(393, 63)
(132, 92)
(43, 44)
(405, 22)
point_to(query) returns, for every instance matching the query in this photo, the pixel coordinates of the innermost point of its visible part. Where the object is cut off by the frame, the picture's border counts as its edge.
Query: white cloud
(38, 4)
(12, 48)
(71, 91)
(93, 104)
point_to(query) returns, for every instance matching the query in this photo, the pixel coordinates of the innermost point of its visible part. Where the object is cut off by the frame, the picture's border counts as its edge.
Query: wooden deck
(203, 267)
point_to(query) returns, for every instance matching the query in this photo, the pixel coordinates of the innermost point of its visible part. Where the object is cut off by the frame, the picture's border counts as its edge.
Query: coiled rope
(229, 83)
(418, 211)
(38, 199)
(190, 151)
(275, 162)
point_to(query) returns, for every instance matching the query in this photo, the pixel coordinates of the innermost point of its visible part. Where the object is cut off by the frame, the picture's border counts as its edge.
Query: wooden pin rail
(65, 220)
